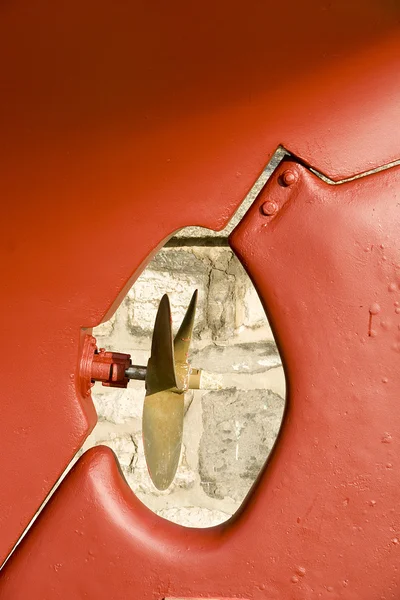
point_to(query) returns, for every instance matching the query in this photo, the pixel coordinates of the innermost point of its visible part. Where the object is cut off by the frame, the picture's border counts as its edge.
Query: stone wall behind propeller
(227, 434)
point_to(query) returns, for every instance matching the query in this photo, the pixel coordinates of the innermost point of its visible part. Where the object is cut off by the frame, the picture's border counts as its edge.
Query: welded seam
(328, 180)
(390, 165)
(196, 236)
(282, 154)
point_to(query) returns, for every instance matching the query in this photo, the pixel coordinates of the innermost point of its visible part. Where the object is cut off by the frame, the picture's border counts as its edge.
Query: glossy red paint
(322, 520)
(122, 122)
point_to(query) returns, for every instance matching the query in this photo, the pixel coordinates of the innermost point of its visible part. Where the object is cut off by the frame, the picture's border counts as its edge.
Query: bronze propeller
(168, 377)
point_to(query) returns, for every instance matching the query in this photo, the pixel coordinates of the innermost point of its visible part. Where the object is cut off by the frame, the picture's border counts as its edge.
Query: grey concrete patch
(240, 358)
(239, 430)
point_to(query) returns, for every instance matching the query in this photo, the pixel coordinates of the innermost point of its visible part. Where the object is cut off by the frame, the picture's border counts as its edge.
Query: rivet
(374, 309)
(269, 208)
(289, 177)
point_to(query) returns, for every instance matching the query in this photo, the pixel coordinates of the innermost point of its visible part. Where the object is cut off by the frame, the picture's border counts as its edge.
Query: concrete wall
(227, 434)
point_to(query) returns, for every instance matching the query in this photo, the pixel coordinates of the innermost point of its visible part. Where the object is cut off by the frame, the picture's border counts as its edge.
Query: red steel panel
(122, 122)
(322, 520)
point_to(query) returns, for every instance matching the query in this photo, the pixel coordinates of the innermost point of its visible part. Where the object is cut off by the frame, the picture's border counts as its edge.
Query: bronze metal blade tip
(162, 435)
(167, 379)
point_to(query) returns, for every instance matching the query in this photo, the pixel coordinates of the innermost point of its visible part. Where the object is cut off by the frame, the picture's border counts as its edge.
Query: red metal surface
(122, 122)
(323, 519)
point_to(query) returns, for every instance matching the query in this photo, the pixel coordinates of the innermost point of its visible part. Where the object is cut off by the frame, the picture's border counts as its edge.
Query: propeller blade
(161, 366)
(167, 378)
(184, 336)
(162, 435)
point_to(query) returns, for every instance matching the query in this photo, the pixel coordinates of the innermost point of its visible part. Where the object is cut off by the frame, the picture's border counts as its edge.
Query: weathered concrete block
(221, 307)
(227, 300)
(219, 258)
(194, 516)
(105, 329)
(254, 311)
(240, 358)
(182, 260)
(177, 273)
(144, 298)
(239, 430)
(118, 405)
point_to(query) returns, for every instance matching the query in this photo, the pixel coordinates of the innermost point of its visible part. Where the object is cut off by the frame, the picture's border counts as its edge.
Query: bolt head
(269, 208)
(289, 177)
